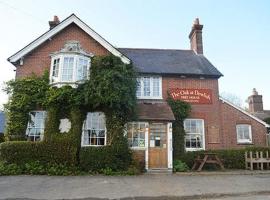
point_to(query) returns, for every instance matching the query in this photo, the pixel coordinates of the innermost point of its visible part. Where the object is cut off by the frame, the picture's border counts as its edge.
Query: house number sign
(193, 96)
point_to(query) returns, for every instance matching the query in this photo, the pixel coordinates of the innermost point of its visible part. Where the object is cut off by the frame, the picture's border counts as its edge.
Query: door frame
(169, 143)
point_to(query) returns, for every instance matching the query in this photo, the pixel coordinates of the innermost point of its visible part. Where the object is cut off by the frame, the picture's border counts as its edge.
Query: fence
(258, 160)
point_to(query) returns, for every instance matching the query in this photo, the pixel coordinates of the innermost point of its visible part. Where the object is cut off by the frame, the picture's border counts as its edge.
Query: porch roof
(154, 111)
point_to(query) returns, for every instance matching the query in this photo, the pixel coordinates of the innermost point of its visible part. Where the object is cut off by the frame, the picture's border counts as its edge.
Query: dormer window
(70, 65)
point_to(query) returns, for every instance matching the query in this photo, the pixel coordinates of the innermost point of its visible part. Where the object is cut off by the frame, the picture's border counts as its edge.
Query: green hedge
(21, 152)
(232, 158)
(2, 138)
(96, 159)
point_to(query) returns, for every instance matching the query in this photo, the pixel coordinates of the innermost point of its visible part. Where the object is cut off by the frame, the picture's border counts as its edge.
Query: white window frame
(244, 141)
(29, 126)
(141, 88)
(58, 81)
(85, 129)
(145, 134)
(203, 135)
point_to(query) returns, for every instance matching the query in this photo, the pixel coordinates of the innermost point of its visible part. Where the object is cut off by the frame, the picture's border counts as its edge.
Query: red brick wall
(39, 59)
(209, 112)
(219, 119)
(230, 118)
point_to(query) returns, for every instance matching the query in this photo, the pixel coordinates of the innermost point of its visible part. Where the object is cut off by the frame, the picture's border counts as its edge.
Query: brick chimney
(255, 102)
(54, 23)
(195, 37)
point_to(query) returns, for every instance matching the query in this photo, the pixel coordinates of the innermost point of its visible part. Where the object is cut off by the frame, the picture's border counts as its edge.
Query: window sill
(194, 149)
(138, 148)
(71, 83)
(150, 98)
(245, 143)
(93, 145)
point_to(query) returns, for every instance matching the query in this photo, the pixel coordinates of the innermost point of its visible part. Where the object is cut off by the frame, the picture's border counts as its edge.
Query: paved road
(161, 186)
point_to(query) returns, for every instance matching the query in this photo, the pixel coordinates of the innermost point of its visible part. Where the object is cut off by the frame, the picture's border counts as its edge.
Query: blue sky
(235, 35)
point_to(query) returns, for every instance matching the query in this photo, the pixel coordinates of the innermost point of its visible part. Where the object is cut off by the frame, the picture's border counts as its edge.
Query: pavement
(214, 186)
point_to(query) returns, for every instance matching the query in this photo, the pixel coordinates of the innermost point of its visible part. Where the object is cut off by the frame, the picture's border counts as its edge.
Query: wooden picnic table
(210, 158)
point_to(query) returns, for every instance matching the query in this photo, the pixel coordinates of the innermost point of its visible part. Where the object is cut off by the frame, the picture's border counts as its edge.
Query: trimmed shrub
(98, 159)
(58, 151)
(232, 158)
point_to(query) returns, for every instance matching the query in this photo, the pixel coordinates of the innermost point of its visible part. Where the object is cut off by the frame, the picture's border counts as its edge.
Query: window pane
(82, 69)
(139, 88)
(136, 134)
(35, 127)
(146, 86)
(156, 86)
(55, 67)
(243, 133)
(194, 133)
(95, 131)
(67, 71)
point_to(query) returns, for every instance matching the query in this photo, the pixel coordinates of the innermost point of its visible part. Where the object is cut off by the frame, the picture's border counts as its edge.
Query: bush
(108, 158)
(58, 151)
(9, 169)
(179, 166)
(36, 168)
(232, 158)
(2, 138)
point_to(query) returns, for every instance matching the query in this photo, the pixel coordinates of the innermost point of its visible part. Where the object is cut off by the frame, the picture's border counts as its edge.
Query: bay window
(94, 130)
(194, 138)
(243, 132)
(70, 65)
(36, 125)
(149, 87)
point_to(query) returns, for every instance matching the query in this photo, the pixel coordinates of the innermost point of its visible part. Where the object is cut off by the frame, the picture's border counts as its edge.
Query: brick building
(66, 51)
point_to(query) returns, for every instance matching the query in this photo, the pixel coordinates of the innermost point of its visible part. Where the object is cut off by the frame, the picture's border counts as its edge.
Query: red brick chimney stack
(195, 37)
(255, 102)
(55, 22)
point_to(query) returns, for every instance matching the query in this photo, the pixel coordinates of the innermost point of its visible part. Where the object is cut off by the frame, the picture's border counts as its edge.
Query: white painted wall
(65, 125)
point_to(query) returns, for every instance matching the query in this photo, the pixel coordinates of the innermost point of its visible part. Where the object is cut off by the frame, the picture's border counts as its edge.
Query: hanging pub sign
(193, 96)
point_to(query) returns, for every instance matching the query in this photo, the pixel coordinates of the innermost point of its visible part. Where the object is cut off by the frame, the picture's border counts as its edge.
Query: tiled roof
(262, 115)
(154, 111)
(167, 61)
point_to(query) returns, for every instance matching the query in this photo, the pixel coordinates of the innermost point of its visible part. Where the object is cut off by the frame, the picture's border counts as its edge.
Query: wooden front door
(157, 148)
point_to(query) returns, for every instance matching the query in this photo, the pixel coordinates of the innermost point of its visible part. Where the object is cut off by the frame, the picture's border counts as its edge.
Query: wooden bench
(259, 159)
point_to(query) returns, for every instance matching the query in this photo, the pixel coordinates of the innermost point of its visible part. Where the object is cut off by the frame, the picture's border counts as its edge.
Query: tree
(233, 98)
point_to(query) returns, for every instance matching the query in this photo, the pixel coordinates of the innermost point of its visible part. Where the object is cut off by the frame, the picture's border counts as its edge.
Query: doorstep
(225, 172)
(159, 171)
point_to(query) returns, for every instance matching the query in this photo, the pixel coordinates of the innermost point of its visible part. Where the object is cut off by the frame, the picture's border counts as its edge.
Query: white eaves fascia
(49, 34)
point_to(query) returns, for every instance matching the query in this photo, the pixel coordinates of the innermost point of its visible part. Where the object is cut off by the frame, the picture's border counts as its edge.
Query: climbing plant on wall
(181, 111)
(111, 88)
(25, 95)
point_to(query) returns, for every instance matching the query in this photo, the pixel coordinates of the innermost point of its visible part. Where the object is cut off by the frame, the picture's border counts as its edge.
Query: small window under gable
(149, 87)
(244, 134)
(70, 65)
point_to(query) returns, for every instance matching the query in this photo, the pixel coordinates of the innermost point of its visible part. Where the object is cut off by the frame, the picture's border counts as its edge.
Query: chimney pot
(196, 21)
(55, 22)
(254, 91)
